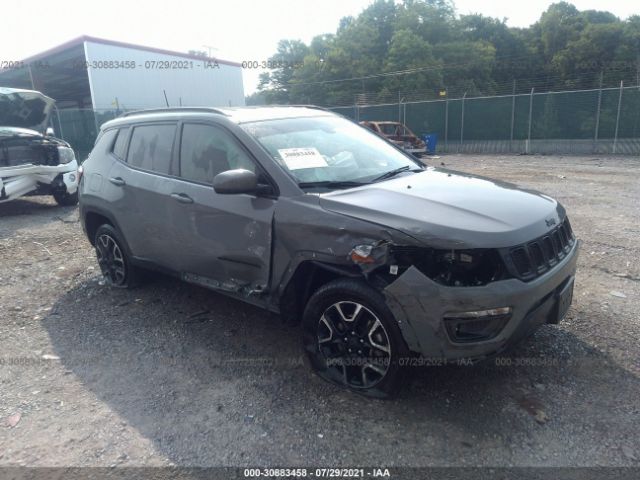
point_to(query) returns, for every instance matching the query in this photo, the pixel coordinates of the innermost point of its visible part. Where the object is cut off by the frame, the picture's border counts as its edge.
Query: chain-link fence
(585, 121)
(80, 127)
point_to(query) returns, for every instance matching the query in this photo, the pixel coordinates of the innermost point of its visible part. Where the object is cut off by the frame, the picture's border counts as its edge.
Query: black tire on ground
(114, 259)
(65, 199)
(352, 339)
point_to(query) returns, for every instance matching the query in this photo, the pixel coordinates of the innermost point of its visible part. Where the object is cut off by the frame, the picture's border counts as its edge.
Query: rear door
(146, 185)
(223, 241)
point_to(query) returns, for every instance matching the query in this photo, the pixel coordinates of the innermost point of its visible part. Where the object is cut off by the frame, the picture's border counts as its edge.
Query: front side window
(327, 151)
(151, 146)
(390, 128)
(206, 150)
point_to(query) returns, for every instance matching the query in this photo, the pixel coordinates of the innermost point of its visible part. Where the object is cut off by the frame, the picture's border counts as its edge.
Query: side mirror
(235, 181)
(49, 132)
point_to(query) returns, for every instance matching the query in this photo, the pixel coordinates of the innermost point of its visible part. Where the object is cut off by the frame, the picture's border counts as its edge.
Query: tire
(364, 356)
(114, 259)
(65, 199)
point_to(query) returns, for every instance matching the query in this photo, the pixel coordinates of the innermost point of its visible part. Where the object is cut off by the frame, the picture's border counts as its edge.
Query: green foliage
(422, 46)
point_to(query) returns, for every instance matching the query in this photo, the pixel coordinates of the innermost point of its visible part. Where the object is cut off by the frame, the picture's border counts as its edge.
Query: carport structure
(93, 80)
(59, 73)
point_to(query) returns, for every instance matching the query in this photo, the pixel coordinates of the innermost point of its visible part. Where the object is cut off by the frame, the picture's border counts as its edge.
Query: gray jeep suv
(386, 262)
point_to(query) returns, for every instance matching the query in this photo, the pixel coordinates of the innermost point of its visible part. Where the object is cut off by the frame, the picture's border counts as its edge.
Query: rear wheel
(65, 199)
(352, 339)
(115, 263)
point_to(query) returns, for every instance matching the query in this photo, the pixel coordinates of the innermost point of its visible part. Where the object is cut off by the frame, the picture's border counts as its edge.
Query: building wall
(199, 84)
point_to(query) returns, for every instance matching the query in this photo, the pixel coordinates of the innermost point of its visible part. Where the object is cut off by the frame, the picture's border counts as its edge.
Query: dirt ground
(174, 374)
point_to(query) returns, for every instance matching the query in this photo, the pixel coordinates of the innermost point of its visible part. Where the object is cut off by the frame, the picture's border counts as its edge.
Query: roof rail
(316, 107)
(173, 109)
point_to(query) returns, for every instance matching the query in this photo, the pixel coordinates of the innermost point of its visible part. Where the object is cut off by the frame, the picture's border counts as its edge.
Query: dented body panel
(304, 231)
(21, 180)
(419, 304)
(32, 162)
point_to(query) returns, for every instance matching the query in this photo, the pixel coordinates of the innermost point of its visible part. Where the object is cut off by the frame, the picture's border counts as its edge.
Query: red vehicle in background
(399, 134)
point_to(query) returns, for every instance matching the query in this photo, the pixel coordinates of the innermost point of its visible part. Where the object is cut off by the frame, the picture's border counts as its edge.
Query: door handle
(117, 181)
(182, 197)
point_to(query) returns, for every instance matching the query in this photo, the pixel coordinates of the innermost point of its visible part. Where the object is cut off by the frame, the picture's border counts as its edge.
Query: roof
(273, 112)
(86, 38)
(235, 114)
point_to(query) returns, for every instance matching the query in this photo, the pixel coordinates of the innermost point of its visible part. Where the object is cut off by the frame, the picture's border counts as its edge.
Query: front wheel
(352, 338)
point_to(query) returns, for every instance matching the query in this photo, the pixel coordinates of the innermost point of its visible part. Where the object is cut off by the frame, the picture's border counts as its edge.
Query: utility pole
(210, 48)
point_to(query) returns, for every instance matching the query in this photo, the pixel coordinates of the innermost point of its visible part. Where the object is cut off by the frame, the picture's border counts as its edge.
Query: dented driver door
(223, 241)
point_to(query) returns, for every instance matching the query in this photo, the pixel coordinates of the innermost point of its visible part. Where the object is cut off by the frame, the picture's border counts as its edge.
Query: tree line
(422, 49)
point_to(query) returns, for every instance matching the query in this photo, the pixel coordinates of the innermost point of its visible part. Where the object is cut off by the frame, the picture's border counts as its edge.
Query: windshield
(328, 151)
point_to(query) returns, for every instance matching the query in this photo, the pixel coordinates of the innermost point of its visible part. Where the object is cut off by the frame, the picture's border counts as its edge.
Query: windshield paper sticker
(299, 158)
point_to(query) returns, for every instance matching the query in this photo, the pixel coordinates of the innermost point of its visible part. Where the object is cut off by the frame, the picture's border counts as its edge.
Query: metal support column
(615, 137)
(528, 147)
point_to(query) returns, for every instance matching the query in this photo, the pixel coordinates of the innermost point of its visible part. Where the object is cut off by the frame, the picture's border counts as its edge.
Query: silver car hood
(446, 209)
(25, 109)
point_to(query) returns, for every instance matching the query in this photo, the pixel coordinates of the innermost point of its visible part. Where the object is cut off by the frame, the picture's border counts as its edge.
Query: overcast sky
(238, 29)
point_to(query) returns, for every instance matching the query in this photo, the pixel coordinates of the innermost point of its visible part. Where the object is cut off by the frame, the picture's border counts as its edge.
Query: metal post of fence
(399, 108)
(528, 147)
(462, 122)
(615, 137)
(95, 121)
(595, 134)
(513, 113)
(446, 124)
(59, 121)
(33, 85)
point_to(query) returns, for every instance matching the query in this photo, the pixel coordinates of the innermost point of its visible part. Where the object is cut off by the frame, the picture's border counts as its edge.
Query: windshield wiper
(393, 173)
(332, 184)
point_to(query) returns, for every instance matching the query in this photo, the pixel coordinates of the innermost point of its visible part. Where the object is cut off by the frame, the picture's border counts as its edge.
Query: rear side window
(206, 151)
(120, 145)
(151, 146)
(105, 140)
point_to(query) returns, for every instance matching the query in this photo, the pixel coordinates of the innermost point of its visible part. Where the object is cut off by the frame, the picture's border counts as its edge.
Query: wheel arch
(309, 275)
(94, 217)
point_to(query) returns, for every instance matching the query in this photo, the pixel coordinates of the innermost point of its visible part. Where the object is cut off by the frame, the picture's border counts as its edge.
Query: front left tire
(352, 339)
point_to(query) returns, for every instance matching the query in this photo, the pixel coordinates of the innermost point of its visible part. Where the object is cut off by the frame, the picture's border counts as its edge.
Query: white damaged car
(32, 160)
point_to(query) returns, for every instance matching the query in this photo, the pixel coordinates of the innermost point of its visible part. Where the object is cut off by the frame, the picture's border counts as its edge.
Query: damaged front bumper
(24, 179)
(430, 314)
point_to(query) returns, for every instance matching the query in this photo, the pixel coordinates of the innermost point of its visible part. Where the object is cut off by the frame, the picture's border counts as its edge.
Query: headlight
(65, 155)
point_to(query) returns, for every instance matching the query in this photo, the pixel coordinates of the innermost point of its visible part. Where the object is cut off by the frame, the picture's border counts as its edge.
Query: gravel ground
(174, 374)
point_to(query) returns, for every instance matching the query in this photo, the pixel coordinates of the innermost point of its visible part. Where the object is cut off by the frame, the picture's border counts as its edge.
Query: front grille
(532, 259)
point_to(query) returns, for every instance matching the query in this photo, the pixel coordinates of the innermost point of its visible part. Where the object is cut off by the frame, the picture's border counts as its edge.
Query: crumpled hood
(444, 209)
(25, 109)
